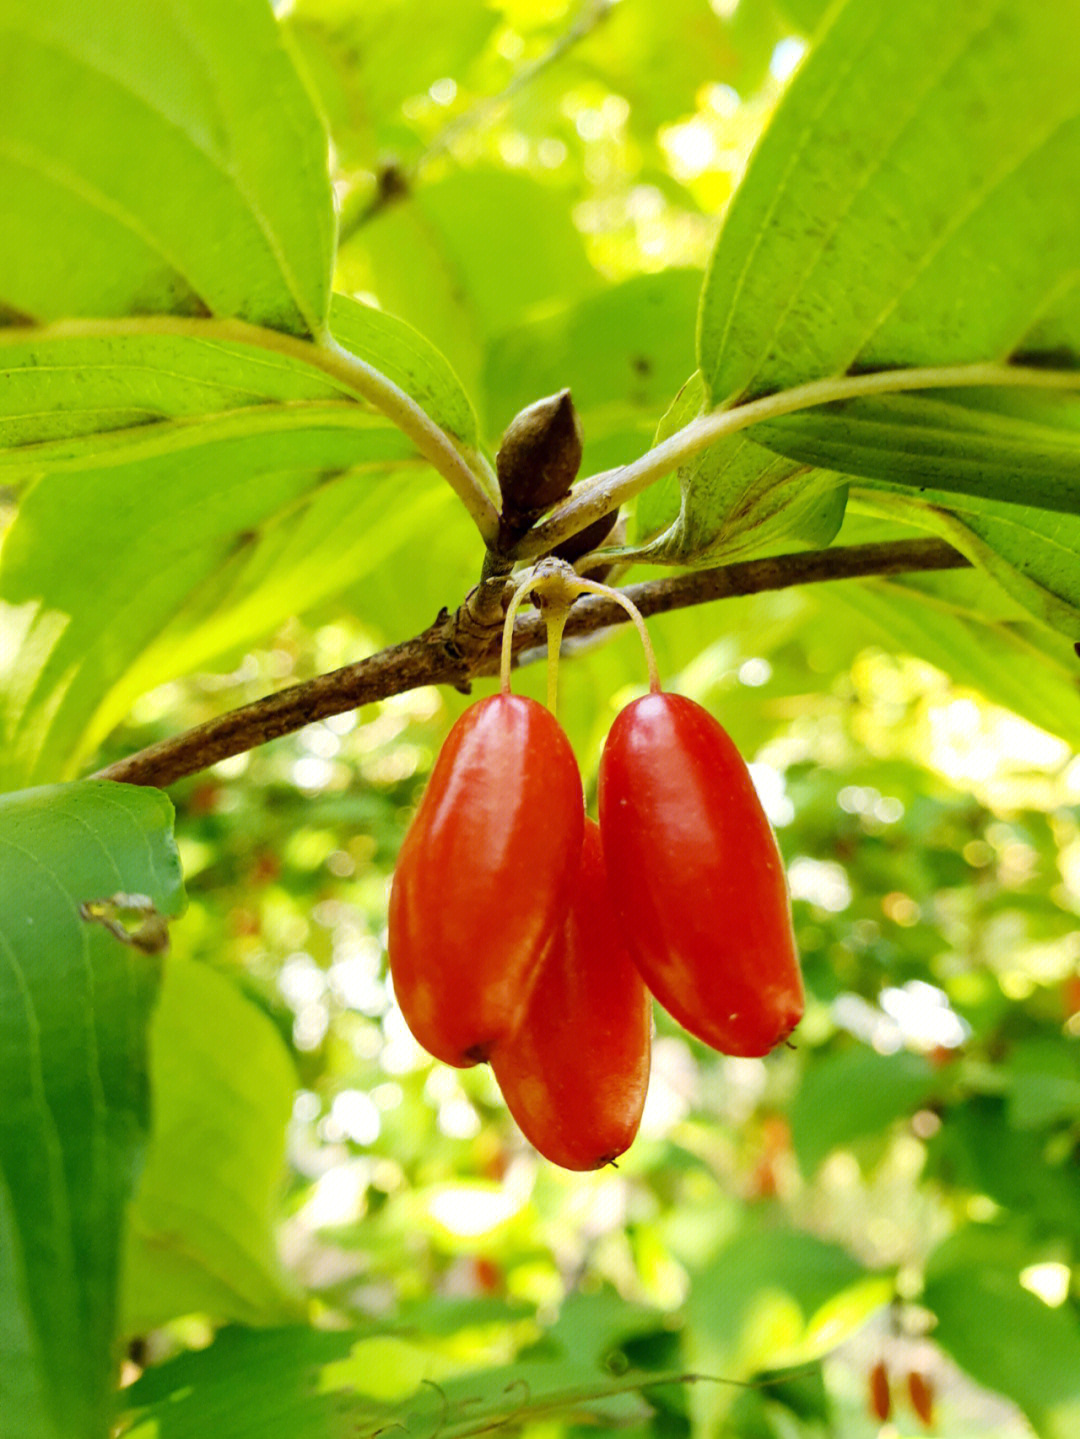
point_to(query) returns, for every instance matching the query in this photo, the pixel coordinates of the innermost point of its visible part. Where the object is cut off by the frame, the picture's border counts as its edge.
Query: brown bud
(587, 539)
(537, 461)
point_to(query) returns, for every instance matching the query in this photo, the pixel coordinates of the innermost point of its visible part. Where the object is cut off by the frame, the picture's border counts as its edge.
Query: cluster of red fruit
(920, 1393)
(523, 933)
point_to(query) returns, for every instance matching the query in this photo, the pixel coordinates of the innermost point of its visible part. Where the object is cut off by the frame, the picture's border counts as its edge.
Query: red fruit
(487, 1275)
(696, 876)
(921, 1394)
(574, 1075)
(879, 1399)
(484, 877)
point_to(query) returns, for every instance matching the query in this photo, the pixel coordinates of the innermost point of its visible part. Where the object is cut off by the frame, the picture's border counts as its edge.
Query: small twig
(464, 646)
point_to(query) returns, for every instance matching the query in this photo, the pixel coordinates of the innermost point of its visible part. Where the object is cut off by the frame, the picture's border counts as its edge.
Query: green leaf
(1006, 1338)
(359, 527)
(980, 1150)
(806, 14)
(965, 442)
(201, 1235)
(660, 56)
(951, 621)
(73, 391)
(1044, 1085)
(621, 352)
(1034, 556)
(366, 61)
(471, 256)
(764, 1303)
(847, 1096)
(734, 499)
(249, 1383)
(62, 392)
(125, 568)
(85, 599)
(75, 1002)
(405, 356)
(920, 157)
(920, 161)
(160, 161)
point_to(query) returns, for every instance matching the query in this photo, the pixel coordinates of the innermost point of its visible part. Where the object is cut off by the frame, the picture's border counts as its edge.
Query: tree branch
(465, 646)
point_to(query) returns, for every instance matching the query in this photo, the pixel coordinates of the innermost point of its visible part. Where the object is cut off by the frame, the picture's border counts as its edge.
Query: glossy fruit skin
(484, 877)
(696, 876)
(574, 1075)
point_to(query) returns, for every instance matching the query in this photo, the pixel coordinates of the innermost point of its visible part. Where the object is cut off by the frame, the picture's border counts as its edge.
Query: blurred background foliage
(534, 186)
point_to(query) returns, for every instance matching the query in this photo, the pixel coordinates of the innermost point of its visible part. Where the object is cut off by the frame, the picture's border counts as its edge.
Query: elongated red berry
(921, 1394)
(696, 876)
(574, 1075)
(878, 1393)
(484, 877)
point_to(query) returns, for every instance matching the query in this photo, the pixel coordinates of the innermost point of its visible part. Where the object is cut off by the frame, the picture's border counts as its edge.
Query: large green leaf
(75, 1006)
(363, 525)
(1005, 1337)
(181, 541)
(160, 160)
(72, 391)
(84, 599)
(911, 204)
(965, 442)
(1034, 555)
(922, 162)
(201, 1230)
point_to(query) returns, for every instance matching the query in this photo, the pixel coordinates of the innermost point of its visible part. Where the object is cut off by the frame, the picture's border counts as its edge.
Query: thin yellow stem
(595, 588)
(555, 623)
(507, 654)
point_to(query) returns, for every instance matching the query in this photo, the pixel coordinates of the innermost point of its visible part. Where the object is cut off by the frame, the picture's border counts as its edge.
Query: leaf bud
(539, 456)
(587, 539)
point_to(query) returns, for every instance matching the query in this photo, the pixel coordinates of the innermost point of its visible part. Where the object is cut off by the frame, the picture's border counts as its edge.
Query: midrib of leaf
(601, 493)
(167, 437)
(464, 470)
(316, 323)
